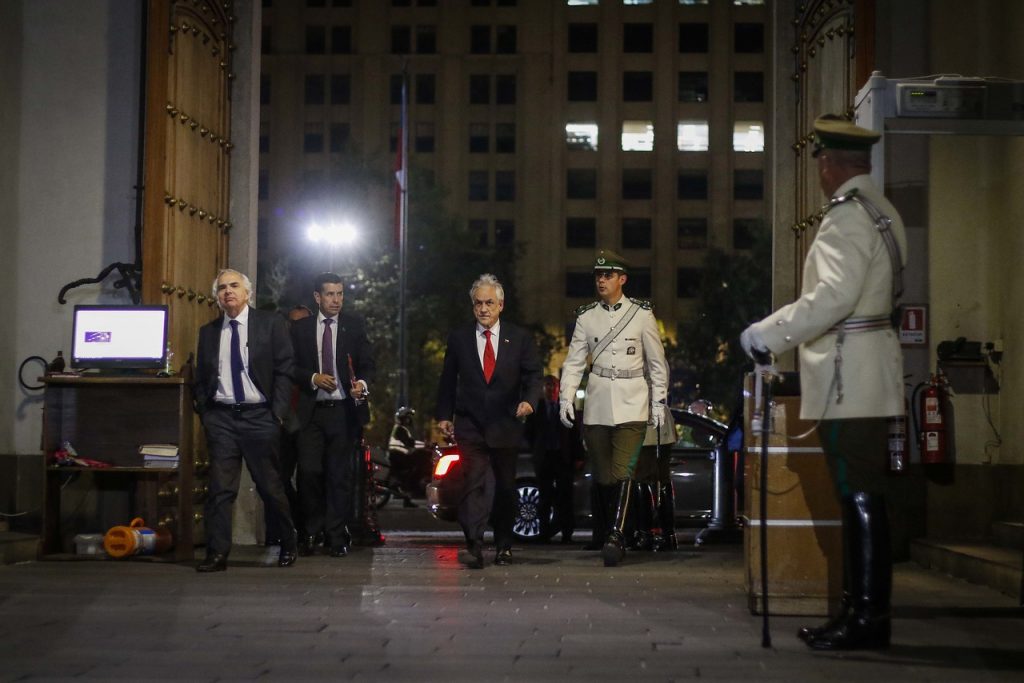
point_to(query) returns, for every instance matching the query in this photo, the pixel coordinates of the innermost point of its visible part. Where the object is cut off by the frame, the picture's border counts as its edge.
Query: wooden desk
(107, 418)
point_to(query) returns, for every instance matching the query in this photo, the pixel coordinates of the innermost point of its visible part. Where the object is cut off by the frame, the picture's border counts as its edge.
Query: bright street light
(334, 234)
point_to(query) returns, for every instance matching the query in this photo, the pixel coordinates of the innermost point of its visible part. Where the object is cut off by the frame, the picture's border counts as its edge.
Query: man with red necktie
(490, 383)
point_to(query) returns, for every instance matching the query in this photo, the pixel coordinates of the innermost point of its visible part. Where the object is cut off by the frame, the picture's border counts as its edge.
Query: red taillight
(445, 463)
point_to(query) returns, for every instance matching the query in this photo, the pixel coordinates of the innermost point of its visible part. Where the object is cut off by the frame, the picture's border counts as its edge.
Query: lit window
(748, 136)
(581, 135)
(637, 2)
(692, 136)
(581, 2)
(748, 2)
(693, 2)
(637, 136)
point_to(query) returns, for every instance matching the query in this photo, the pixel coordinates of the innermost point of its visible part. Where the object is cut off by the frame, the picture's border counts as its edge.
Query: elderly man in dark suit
(333, 365)
(242, 389)
(490, 383)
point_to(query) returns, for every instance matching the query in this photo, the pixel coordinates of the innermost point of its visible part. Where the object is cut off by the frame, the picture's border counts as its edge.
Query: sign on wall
(914, 325)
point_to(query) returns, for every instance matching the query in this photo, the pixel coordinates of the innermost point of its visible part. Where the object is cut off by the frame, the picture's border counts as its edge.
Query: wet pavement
(409, 611)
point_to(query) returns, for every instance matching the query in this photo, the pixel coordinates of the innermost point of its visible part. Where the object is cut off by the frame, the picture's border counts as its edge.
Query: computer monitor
(119, 337)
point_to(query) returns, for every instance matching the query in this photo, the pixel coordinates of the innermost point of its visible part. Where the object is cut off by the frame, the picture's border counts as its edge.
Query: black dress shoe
(472, 557)
(857, 632)
(286, 558)
(308, 545)
(213, 563)
(504, 557)
(340, 550)
(614, 550)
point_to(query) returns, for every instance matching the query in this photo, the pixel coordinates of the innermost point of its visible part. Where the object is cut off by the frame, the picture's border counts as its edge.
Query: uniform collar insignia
(612, 308)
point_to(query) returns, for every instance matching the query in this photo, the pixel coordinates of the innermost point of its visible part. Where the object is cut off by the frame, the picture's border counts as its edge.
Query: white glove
(566, 413)
(751, 341)
(657, 414)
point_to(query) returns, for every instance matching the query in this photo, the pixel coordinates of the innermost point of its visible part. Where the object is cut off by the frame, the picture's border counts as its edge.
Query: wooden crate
(804, 521)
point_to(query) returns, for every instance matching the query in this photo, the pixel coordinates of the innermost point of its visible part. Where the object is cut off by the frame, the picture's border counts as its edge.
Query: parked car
(692, 462)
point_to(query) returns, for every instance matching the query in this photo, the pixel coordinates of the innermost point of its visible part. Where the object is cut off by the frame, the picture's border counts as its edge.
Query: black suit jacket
(270, 361)
(349, 340)
(487, 412)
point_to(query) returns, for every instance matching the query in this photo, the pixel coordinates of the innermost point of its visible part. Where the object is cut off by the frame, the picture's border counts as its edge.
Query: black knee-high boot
(868, 624)
(850, 536)
(614, 545)
(666, 540)
(644, 517)
(599, 495)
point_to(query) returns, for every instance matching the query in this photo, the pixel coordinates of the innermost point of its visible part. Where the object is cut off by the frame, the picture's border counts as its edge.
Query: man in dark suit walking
(242, 388)
(333, 366)
(490, 383)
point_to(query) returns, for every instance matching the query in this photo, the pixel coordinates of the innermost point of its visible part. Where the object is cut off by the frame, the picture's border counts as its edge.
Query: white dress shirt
(225, 392)
(481, 339)
(323, 394)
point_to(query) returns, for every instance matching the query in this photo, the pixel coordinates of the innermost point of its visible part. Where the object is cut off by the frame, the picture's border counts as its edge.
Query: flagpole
(403, 239)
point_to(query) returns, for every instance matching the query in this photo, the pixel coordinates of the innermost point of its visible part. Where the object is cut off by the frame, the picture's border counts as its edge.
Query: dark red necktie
(327, 349)
(488, 357)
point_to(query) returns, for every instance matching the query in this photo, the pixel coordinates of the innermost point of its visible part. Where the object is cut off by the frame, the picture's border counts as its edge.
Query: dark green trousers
(857, 453)
(614, 451)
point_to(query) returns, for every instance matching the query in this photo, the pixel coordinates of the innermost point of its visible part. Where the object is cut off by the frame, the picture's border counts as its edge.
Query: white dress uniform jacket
(616, 400)
(848, 273)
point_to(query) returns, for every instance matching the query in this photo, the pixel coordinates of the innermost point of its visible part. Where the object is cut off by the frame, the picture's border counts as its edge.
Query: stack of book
(159, 455)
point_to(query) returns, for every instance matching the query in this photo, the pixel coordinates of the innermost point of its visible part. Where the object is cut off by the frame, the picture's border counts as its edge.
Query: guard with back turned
(851, 368)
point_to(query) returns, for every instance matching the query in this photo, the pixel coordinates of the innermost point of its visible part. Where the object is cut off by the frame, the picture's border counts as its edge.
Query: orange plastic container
(137, 539)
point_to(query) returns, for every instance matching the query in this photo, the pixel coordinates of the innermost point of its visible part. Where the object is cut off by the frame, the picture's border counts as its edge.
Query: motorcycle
(401, 472)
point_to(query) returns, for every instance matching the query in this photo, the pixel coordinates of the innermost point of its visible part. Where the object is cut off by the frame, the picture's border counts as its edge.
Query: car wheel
(379, 496)
(526, 524)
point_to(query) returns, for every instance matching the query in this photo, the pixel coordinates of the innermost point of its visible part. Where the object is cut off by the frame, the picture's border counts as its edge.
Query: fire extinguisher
(933, 419)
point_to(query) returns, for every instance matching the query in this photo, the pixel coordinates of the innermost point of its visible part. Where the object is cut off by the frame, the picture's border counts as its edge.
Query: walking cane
(763, 373)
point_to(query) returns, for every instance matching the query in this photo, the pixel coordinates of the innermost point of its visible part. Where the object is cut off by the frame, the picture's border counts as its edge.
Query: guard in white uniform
(851, 368)
(615, 343)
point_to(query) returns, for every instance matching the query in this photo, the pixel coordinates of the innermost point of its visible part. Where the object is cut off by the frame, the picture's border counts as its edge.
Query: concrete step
(18, 547)
(1008, 534)
(988, 565)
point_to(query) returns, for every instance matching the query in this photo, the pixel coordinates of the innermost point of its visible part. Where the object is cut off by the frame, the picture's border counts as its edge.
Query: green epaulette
(585, 307)
(643, 303)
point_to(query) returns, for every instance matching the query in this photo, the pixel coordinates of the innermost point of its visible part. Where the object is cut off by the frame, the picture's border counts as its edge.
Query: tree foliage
(735, 291)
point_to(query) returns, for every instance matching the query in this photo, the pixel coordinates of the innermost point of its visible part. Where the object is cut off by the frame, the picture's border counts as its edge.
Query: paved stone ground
(408, 611)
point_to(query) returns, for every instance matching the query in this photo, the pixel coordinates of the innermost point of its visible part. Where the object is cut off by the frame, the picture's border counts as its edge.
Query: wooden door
(834, 55)
(188, 153)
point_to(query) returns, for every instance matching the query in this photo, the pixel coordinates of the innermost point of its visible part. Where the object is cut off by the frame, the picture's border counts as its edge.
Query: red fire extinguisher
(933, 419)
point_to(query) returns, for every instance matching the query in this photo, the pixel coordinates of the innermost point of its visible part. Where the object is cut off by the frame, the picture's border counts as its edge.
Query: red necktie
(488, 357)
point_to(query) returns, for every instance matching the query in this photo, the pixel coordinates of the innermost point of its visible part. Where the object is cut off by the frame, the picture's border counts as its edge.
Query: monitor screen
(129, 337)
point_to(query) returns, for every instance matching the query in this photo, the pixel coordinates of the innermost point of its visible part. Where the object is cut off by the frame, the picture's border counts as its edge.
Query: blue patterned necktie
(236, 364)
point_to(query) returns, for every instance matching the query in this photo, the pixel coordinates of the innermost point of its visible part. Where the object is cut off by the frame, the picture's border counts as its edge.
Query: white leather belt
(613, 373)
(864, 324)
